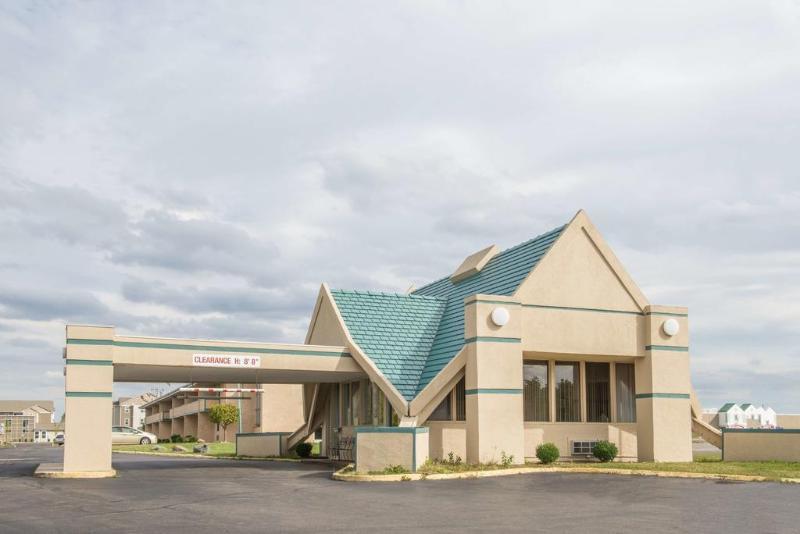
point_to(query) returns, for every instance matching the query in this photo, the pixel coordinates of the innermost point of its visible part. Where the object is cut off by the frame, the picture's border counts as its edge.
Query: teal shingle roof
(411, 338)
(395, 331)
(726, 407)
(502, 275)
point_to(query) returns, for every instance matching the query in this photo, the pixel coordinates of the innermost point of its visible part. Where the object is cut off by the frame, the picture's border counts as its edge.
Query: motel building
(548, 341)
(184, 410)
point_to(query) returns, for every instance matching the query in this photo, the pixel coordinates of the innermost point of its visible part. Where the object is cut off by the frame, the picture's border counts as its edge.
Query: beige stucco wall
(260, 444)
(581, 332)
(623, 435)
(751, 446)
(789, 420)
(446, 437)
(377, 450)
(282, 407)
(575, 274)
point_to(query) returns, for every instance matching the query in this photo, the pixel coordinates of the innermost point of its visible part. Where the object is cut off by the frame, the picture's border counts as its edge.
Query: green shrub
(395, 470)
(189, 439)
(176, 438)
(547, 453)
(452, 459)
(506, 459)
(303, 450)
(604, 451)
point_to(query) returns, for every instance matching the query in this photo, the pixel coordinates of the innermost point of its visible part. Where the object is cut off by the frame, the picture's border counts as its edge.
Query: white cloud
(199, 169)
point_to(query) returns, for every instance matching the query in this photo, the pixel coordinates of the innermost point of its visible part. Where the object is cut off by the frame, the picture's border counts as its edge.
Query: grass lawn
(222, 448)
(706, 463)
(712, 466)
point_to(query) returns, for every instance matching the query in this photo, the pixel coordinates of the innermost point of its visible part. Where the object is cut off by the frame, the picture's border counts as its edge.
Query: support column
(663, 385)
(493, 380)
(87, 405)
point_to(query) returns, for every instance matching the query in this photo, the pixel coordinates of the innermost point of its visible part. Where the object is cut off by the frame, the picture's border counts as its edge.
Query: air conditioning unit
(582, 448)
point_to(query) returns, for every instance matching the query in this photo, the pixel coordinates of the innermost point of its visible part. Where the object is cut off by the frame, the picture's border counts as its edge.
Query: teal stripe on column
(89, 362)
(493, 391)
(489, 339)
(88, 394)
(662, 395)
(666, 347)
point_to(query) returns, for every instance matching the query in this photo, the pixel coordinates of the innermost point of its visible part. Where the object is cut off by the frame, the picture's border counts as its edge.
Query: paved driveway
(155, 494)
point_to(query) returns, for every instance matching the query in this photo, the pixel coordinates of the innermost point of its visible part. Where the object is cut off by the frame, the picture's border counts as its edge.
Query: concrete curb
(57, 471)
(361, 477)
(210, 457)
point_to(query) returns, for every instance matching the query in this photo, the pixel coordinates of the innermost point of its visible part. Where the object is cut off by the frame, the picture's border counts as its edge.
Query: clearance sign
(225, 360)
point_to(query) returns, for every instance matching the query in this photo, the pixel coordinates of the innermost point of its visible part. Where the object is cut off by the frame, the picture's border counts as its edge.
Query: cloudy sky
(198, 169)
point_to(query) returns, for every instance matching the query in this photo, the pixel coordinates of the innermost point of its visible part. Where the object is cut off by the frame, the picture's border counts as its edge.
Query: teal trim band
(493, 391)
(667, 348)
(662, 395)
(391, 429)
(570, 308)
(761, 430)
(503, 302)
(667, 314)
(208, 348)
(90, 362)
(89, 394)
(489, 339)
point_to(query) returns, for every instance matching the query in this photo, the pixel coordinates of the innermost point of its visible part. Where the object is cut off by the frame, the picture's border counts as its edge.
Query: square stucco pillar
(493, 380)
(87, 405)
(663, 385)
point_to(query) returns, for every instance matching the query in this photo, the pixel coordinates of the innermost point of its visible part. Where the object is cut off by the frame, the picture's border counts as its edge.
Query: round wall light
(500, 316)
(671, 327)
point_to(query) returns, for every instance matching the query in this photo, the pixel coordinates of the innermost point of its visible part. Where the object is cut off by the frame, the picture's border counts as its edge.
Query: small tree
(223, 415)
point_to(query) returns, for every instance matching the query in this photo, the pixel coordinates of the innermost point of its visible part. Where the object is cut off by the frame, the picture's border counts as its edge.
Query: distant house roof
(411, 338)
(727, 406)
(19, 405)
(746, 406)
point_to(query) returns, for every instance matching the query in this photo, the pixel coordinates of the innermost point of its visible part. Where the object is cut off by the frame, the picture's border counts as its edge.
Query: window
(347, 414)
(535, 395)
(598, 392)
(442, 412)
(626, 393)
(461, 400)
(366, 403)
(354, 403)
(568, 392)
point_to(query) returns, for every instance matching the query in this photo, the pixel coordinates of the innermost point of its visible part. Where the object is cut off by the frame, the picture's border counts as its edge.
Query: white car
(125, 435)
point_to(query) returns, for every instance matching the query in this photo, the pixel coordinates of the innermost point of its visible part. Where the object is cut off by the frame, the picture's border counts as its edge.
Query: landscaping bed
(218, 449)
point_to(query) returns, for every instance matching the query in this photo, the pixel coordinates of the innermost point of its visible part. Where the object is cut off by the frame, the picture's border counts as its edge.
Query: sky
(198, 169)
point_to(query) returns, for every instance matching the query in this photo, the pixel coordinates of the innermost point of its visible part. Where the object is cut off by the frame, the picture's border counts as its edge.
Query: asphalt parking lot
(156, 494)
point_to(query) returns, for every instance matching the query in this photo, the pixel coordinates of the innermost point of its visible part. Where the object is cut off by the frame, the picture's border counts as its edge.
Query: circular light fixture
(500, 316)
(671, 327)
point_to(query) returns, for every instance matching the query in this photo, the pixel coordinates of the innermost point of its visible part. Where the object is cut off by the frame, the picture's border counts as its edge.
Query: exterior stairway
(704, 430)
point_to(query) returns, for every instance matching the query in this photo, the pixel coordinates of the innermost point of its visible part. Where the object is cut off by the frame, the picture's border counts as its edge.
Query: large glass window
(461, 400)
(626, 393)
(535, 395)
(442, 412)
(366, 403)
(568, 392)
(347, 412)
(598, 392)
(354, 403)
